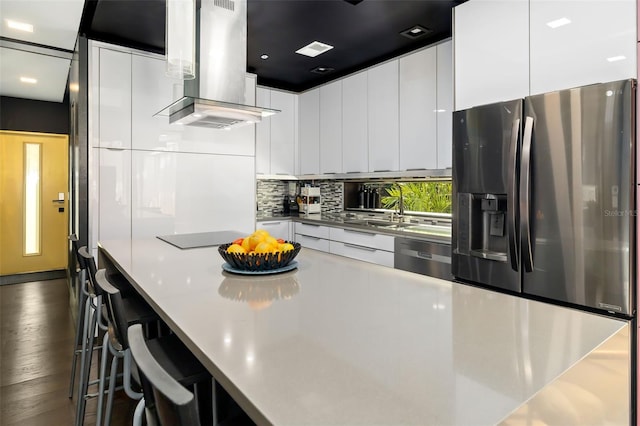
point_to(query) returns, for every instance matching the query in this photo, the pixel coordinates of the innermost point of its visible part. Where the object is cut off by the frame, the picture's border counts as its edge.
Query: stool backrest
(91, 268)
(112, 299)
(74, 247)
(165, 399)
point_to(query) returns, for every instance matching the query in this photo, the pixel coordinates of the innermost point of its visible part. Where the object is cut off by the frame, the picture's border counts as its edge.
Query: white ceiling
(55, 24)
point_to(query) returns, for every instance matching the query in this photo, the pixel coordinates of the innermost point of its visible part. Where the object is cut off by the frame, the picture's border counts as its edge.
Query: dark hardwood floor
(36, 334)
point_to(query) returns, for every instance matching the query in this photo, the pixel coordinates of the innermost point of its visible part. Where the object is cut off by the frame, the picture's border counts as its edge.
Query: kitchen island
(338, 341)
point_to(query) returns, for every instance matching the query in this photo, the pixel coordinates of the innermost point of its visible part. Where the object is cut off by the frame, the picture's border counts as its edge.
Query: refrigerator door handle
(512, 195)
(525, 193)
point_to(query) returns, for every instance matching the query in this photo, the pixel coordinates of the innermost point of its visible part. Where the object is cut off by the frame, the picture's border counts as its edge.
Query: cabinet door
(309, 132)
(283, 133)
(596, 43)
(114, 199)
(444, 110)
(331, 128)
(418, 101)
(491, 40)
(263, 133)
(355, 145)
(115, 99)
(152, 91)
(382, 88)
(277, 229)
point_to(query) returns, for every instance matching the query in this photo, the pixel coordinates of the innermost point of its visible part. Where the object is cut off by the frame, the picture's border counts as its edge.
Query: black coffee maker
(289, 205)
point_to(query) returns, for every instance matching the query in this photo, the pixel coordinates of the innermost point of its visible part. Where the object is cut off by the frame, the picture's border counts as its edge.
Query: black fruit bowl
(259, 261)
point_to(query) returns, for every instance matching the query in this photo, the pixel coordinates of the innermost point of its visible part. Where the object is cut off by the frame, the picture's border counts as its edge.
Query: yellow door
(34, 202)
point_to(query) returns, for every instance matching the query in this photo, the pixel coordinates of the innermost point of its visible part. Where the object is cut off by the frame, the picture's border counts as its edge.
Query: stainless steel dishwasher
(423, 257)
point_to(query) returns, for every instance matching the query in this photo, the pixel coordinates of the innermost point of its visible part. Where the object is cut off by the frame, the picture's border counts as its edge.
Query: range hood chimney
(216, 97)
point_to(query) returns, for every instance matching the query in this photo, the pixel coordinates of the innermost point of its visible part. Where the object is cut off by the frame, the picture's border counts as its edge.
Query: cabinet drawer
(362, 238)
(277, 228)
(312, 230)
(367, 254)
(312, 242)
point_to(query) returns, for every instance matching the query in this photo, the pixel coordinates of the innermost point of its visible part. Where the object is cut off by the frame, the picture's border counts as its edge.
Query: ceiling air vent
(314, 49)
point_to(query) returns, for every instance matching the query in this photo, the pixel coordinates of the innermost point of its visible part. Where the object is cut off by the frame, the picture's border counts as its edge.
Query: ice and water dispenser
(482, 226)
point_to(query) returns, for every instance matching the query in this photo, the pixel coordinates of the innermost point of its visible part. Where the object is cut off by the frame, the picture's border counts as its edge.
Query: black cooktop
(201, 239)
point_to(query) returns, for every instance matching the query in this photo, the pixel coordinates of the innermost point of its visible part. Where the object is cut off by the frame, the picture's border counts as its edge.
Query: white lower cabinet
(365, 246)
(366, 254)
(312, 236)
(315, 243)
(362, 238)
(312, 230)
(276, 228)
(360, 245)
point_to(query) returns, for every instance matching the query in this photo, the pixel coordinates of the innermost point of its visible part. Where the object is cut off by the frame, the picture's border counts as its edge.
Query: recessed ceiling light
(322, 70)
(314, 49)
(415, 31)
(28, 80)
(20, 26)
(558, 23)
(616, 58)
(264, 57)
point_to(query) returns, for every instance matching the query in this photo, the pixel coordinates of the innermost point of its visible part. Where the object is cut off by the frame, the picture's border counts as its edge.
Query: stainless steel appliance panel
(484, 232)
(423, 257)
(577, 196)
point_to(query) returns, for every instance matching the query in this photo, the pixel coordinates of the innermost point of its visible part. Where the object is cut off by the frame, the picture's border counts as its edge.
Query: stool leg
(112, 385)
(85, 363)
(102, 377)
(79, 332)
(137, 415)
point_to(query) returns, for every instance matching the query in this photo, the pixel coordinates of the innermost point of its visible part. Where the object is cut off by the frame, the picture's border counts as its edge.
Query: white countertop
(343, 342)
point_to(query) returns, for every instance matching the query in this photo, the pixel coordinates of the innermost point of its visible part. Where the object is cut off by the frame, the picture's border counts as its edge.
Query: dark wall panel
(28, 115)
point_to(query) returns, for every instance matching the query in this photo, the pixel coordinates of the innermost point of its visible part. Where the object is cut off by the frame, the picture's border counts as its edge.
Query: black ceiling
(364, 33)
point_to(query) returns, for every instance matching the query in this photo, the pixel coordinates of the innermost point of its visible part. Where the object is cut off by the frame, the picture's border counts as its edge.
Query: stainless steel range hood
(216, 97)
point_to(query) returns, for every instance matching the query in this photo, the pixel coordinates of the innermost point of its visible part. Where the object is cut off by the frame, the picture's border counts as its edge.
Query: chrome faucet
(400, 203)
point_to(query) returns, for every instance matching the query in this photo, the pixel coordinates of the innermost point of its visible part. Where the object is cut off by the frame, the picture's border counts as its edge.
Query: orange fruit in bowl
(262, 232)
(236, 248)
(286, 247)
(255, 239)
(264, 247)
(271, 241)
(246, 245)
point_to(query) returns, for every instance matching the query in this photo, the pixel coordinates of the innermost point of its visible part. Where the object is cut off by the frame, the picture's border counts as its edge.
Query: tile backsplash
(270, 195)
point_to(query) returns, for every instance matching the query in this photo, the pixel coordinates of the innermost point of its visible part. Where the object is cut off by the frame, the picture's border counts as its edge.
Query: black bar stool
(174, 357)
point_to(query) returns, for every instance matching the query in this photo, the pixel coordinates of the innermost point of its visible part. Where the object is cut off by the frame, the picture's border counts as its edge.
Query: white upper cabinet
(283, 133)
(491, 51)
(331, 128)
(418, 105)
(445, 104)
(114, 99)
(263, 133)
(575, 43)
(355, 145)
(309, 132)
(382, 89)
(507, 49)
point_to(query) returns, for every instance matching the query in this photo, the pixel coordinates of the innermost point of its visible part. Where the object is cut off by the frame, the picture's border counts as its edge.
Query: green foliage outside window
(431, 197)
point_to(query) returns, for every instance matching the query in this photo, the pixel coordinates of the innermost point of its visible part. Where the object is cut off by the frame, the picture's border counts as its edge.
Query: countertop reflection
(259, 293)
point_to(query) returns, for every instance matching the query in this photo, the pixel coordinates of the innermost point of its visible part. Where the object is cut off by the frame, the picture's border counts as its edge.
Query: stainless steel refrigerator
(544, 196)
